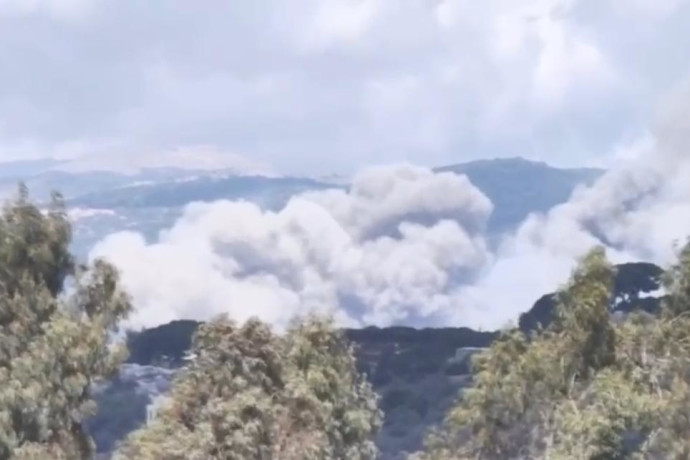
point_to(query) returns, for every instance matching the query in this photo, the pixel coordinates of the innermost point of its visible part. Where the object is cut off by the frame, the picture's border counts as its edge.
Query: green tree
(54, 343)
(249, 394)
(584, 388)
(329, 401)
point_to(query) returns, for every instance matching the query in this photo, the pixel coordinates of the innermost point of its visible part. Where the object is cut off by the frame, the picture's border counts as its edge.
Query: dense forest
(586, 385)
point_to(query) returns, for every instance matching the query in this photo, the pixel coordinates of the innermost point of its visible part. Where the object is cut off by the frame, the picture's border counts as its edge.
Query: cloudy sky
(321, 86)
(378, 90)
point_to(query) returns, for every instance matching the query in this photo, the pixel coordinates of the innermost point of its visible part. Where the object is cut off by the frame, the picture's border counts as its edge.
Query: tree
(249, 394)
(584, 387)
(328, 401)
(54, 343)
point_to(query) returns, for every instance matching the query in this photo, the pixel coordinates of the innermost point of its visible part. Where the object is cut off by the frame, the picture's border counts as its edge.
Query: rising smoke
(403, 245)
(395, 248)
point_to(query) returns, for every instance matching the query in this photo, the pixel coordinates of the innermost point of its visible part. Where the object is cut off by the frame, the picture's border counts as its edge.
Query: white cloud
(324, 86)
(656, 8)
(566, 62)
(62, 10)
(201, 158)
(334, 22)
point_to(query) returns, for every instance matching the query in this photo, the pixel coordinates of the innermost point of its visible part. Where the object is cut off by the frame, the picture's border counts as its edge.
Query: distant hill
(269, 190)
(518, 187)
(152, 199)
(44, 177)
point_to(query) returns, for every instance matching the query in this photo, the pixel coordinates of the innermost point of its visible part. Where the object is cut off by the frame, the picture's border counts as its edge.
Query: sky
(333, 86)
(378, 91)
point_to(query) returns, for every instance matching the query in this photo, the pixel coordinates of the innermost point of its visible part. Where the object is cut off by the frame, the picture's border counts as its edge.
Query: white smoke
(639, 210)
(395, 248)
(405, 245)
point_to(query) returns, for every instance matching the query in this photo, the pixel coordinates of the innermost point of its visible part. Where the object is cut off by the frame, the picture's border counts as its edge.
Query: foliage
(632, 280)
(250, 394)
(54, 345)
(584, 387)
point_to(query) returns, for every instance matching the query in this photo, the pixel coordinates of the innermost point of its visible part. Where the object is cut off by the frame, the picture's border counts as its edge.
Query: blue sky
(320, 86)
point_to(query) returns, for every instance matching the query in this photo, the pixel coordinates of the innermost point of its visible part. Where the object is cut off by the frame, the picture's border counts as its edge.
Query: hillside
(418, 373)
(265, 190)
(518, 187)
(151, 200)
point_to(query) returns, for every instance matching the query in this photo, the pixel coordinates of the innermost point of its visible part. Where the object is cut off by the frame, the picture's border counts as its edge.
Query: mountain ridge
(418, 372)
(518, 187)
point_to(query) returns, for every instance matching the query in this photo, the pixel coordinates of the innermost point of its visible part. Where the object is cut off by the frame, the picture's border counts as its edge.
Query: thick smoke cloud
(405, 245)
(639, 210)
(395, 248)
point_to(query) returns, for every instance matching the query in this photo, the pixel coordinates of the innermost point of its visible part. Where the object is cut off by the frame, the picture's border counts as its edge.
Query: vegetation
(417, 372)
(249, 394)
(585, 387)
(54, 343)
